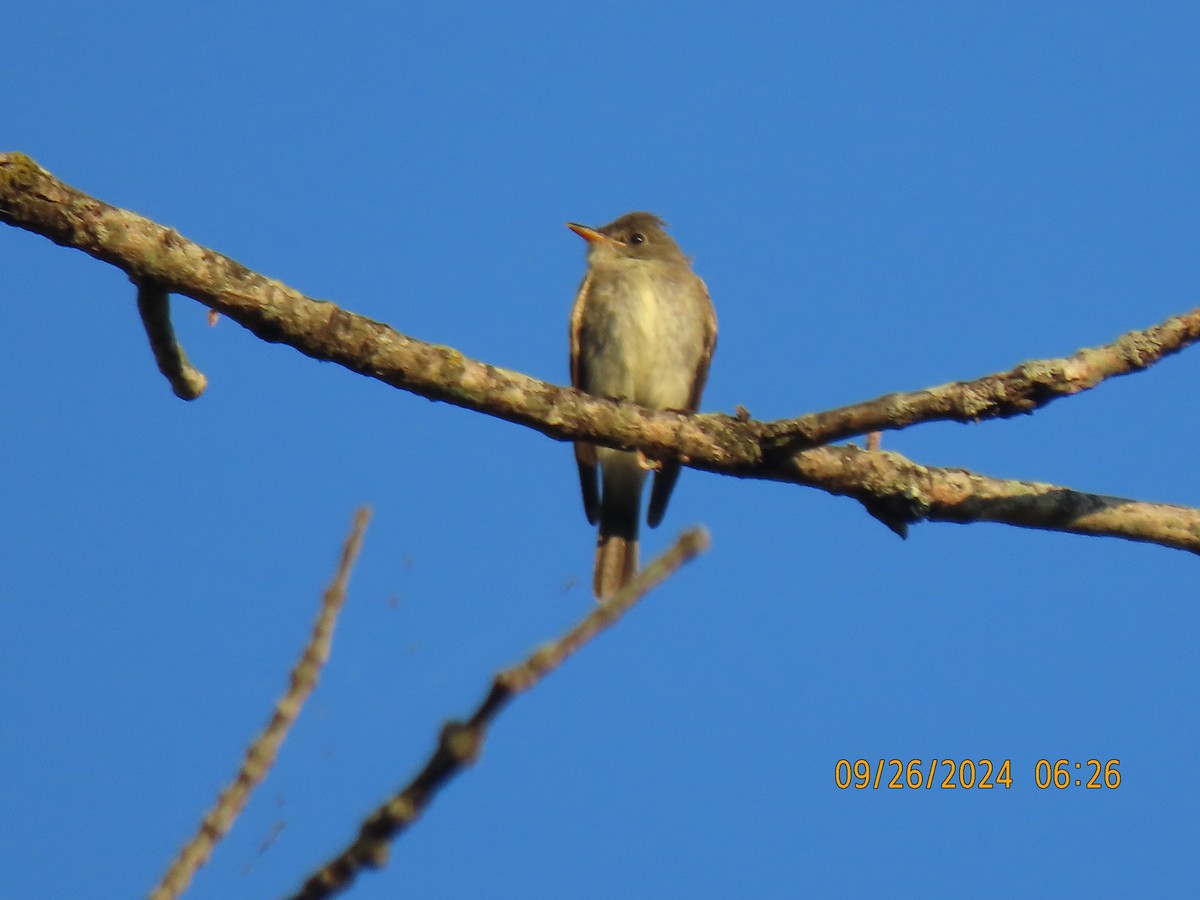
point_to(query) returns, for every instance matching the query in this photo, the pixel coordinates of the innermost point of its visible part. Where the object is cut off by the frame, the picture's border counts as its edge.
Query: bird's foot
(648, 464)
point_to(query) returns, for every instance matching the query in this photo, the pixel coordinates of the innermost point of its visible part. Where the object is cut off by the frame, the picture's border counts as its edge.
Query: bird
(643, 330)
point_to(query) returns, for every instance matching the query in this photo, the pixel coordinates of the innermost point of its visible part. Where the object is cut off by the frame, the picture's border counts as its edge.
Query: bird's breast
(643, 334)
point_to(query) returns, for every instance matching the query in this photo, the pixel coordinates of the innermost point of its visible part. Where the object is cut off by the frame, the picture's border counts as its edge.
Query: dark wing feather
(585, 453)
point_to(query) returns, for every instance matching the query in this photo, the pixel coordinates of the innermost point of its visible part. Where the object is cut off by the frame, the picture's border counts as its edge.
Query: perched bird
(642, 330)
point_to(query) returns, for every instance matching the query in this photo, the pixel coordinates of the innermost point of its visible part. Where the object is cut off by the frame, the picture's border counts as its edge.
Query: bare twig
(154, 306)
(1018, 391)
(460, 743)
(32, 199)
(260, 756)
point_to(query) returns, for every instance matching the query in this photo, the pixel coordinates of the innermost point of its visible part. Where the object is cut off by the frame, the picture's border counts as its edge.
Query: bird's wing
(668, 472)
(585, 454)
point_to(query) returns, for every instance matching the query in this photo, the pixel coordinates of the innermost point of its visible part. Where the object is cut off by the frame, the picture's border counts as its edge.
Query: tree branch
(1018, 391)
(260, 756)
(900, 492)
(460, 743)
(32, 199)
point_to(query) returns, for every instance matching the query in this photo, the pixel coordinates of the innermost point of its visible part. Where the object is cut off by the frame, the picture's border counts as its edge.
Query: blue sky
(879, 199)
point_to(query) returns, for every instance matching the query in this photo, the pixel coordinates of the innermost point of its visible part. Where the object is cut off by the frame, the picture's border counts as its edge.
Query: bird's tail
(617, 539)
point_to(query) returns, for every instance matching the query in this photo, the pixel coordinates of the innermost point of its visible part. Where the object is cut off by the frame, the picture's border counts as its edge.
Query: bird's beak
(591, 235)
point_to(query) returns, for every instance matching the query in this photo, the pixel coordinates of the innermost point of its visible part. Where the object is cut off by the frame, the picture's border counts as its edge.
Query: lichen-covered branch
(1018, 391)
(460, 743)
(260, 756)
(32, 199)
(900, 492)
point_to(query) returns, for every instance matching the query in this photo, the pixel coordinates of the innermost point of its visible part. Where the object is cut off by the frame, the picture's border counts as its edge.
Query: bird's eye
(637, 238)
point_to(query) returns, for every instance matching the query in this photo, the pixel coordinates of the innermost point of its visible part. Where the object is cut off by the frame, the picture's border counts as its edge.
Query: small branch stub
(154, 306)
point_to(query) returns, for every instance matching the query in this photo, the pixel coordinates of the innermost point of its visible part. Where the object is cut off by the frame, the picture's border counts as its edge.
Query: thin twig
(460, 743)
(154, 306)
(1019, 391)
(260, 756)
